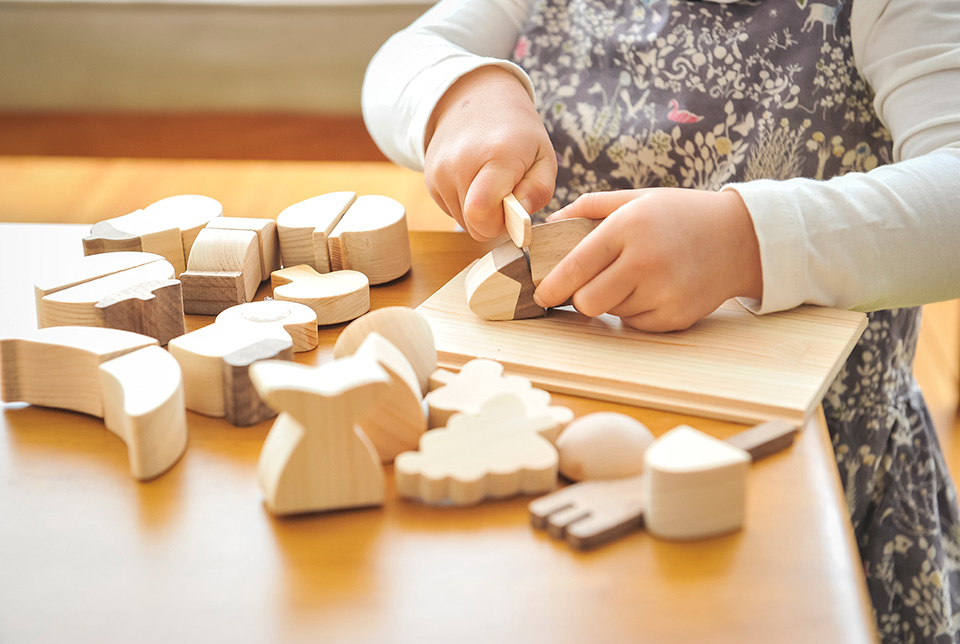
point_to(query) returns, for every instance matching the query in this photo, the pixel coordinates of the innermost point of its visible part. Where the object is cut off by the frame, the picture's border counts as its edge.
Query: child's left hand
(662, 258)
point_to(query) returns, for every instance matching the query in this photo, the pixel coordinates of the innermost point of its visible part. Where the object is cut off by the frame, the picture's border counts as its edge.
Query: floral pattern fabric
(642, 93)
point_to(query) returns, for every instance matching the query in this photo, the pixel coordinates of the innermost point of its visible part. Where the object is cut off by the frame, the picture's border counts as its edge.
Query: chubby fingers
(596, 205)
(588, 259)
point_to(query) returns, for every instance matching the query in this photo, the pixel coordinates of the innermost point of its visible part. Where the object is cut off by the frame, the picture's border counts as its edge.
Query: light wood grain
(401, 326)
(397, 421)
(212, 292)
(298, 320)
(150, 308)
(201, 353)
(305, 226)
(267, 239)
(372, 238)
(495, 454)
(517, 221)
(731, 365)
(57, 367)
(335, 297)
(499, 287)
(228, 250)
(242, 405)
(604, 445)
(143, 405)
(552, 241)
(482, 380)
(314, 458)
(347, 575)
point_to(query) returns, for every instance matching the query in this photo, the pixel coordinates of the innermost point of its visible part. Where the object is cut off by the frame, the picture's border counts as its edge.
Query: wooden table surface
(87, 554)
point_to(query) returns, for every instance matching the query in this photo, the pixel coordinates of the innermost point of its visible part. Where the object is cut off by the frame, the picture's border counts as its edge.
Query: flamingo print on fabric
(681, 116)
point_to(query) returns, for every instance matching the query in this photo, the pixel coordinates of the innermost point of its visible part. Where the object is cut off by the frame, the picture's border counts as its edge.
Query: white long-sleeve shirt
(882, 239)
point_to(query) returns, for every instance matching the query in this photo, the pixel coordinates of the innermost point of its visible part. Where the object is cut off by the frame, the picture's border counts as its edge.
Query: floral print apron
(640, 93)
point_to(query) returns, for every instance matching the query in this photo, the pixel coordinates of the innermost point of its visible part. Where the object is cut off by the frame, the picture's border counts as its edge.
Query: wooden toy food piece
(603, 445)
(497, 454)
(211, 283)
(75, 305)
(404, 328)
(120, 376)
(304, 227)
(167, 227)
(335, 297)
(592, 513)
(57, 367)
(267, 239)
(201, 355)
(481, 380)
(397, 422)
(696, 485)
(517, 221)
(242, 405)
(57, 277)
(151, 308)
(372, 238)
(552, 241)
(498, 286)
(143, 405)
(298, 320)
(314, 457)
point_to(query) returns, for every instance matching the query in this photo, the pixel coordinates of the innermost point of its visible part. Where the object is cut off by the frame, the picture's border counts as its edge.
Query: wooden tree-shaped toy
(481, 380)
(315, 458)
(119, 376)
(335, 297)
(167, 227)
(497, 454)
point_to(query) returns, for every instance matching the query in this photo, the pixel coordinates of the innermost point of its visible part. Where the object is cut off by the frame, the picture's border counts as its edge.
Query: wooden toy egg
(603, 445)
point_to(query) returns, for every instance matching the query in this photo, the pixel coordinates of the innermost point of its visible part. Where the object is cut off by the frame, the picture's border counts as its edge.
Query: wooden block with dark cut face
(210, 292)
(152, 308)
(242, 404)
(105, 238)
(551, 242)
(498, 287)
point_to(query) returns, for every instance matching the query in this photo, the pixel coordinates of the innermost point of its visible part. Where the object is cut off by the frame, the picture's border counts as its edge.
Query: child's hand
(662, 259)
(484, 141)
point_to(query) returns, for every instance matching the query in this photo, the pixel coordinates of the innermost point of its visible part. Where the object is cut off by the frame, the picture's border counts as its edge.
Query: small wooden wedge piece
(498, 286)
(517, 221)
(143, 404)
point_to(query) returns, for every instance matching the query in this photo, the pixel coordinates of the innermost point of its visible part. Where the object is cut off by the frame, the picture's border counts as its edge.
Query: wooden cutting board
(731, 365)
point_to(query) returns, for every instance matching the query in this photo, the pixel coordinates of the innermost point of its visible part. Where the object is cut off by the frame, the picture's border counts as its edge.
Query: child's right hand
(484, 141)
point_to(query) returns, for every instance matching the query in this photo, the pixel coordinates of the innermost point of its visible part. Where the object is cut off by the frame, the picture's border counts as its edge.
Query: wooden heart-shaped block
(335, 297)
(696, 485)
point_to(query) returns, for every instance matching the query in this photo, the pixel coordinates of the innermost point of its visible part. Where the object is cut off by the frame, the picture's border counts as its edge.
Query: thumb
(595, 205)
(535, 189)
